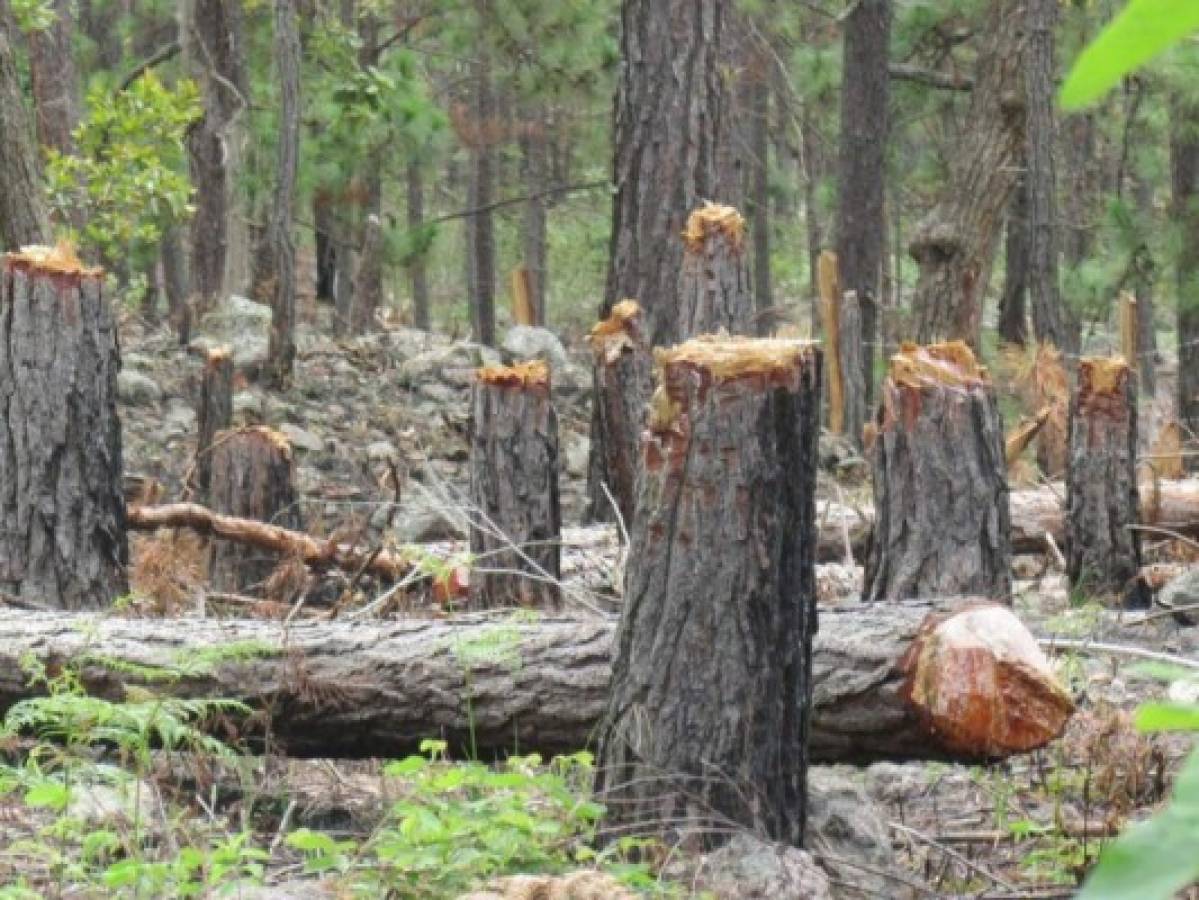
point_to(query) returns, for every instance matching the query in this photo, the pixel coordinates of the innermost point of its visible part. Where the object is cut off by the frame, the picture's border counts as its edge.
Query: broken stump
(940, 481)
(62, 509)
(714, 288)
(215, 412)
(711, 690)
(516, 521)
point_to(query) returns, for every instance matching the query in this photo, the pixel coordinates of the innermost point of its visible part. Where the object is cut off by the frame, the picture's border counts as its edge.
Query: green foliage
(33, 15)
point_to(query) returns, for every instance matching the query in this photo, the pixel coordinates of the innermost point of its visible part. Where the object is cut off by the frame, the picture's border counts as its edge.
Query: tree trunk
(1102, 551)
(814, 170)
(416, 266)
(1144, 273)
(758, 195)
(54, 82)
(1013, 324)
(1184, 168)
(623, 384)
(480, 226)
(368, 281)
(853, 383)
(174, 279)
(323, 227)
(714, 290)
(861, 219)
(1078, 143)
(954, 245)
(62, 511)
(720, 578)
(281, 350)
(22, 207)
(215, 413)
(536, 172)
(940, 481)
(516, 530)
(252, 479)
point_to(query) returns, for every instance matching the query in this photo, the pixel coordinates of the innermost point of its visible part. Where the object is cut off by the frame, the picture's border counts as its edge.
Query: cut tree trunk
(501, 684)
(829, 281)
(215, 413)
(517, 522)
(1102, 551)
(714, 288)
(720, 579)
(623, 383)
(940, 481)
(62, 509)
(251, 479)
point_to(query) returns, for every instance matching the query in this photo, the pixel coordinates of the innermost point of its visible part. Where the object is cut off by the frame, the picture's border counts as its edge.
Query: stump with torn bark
(516, 520)
(252, 472)
(711, 686)
(62, 509)
(1102, 551)
(940, 482)
(715, 292)
(215, 412)
(623, 382)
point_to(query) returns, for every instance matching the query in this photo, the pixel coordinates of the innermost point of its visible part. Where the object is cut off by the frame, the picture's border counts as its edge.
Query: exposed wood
(830, 311)
(719, 578)
(1130, 338)
(715, 293)
(1022, 435)
(523, 311)
(940, 480)
(1165, 456)
(503, 683)
(516, 528)
(62, 508)
(215, 413)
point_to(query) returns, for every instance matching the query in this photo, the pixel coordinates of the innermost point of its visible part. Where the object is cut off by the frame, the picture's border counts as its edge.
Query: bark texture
(1184, 171)
(480, 225)
(757, 94)
(517, 528)
(215, 413)
(854, 386)
(22, 208)
(1013, 317)
(534, 147)
(359, 689)
(940, 481)
(421, 317)
(714, 287)
(62, 511)
(720, 578)
(1102, 551)
(54, 81)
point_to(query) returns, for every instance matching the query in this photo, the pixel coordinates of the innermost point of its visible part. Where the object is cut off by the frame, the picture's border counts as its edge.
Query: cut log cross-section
(940, 480)
(715, 292)
(1102, 551)
(711, 687)
(516, 523)
(252, 473)
(623, 384)
(62, 510)
(215, 412)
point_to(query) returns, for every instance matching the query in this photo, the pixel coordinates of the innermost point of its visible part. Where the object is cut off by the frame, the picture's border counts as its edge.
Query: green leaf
(1168, 717)
(410, 765)
(1142, 30)
(48, 794)
(309, 841)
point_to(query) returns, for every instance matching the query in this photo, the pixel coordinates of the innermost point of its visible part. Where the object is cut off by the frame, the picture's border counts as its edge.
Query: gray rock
(247, 408)
(137, 361)
(102, 805)
(424, 525)
(450, 363)
(531, 342)
(137, 389)
(1182, 591)
(180, 418)
(301, 439)
(440, 394)
(381, 451)
(747, 868)
(847, 831)
(237, 315)
(577, 455)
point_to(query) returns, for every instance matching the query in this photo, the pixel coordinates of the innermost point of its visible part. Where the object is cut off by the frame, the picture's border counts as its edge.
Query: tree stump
(516, 522)
(251, 479)
(1102, 551)
(215, 412)
(622, 380)
(940, 481)
(62, 510)
(709, 705)
(715, 292)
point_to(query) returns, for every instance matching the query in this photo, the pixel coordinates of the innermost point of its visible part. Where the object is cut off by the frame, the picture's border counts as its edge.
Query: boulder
(137, 389)
(847, 832)
(747, 868)
(532, 342)
(1182, 591)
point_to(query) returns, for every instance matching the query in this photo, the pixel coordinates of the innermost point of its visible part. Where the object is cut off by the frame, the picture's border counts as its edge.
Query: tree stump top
(1101, 384)
(720, 359)
(948, 364)
(710, 220)
(622, 329)
(277, 439)
(533, 376)
(217, 356)
(60, 259)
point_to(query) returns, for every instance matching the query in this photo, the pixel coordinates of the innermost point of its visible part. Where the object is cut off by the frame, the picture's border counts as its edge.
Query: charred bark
(480, 225)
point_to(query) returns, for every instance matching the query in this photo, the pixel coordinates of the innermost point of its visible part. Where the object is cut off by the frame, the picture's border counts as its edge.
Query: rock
(452, 363)
(103, 805)
(137, 361)
(577, 455)
(247, 408)
(1182, 591)
(381, 451)
(585, 885)
(424, 525)
(236, 316)
(301, 439)
(845, 827)
(440, 394)
(747, 868)
(532, 342)
(180, 418)
(137, 389)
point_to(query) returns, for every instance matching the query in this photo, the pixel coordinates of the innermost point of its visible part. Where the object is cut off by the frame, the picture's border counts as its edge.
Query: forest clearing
(424, 477)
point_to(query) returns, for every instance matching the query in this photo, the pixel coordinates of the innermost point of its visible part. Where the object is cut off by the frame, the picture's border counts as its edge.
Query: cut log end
(525, 376)
(268, 436)
(60, 259)
(1102, 382)
(620, 331)
(949, 364)
(712, 220)
(216, 357)
(720, 359)
(978, 680)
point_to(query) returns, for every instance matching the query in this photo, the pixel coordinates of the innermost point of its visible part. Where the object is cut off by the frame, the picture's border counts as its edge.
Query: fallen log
(514, 684)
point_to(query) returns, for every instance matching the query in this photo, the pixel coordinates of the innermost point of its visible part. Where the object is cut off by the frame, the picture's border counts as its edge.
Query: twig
(159, 56)
(949, 851)
(1053, 548)
(1168, 532)
(1163, 613)
(1054, 643)
(283, 823)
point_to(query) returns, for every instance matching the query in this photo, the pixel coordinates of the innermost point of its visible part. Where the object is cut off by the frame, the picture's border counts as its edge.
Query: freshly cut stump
(252, 472)
(709, 706)
(623, 384)
(516, 522)
(215, 413)
(940, 481)
(715, 291)
(1102, 551)
(62, 510)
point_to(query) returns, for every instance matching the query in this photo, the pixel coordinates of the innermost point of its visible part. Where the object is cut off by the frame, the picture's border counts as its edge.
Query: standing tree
(54, 80)
(22, 209)
(421, 317)
(1013, 325)
(480, 228)
(1184, 172)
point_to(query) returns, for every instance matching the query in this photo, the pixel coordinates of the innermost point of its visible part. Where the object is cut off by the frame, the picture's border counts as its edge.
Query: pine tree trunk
(22, 207)
(1144, 275)
(368, 281)
(251, 479)
(1102, 551)
(323, 227)
(940, 481)
(480, 225)
(174, 280)
(714, 287)
(1013, 325)
(719, 580)
(54, 81)
(1184, 168)
(853, 383)
(421, 317)
(517, 522)
(214, 415)
(62, 511)
(536, 172)
(758, 195)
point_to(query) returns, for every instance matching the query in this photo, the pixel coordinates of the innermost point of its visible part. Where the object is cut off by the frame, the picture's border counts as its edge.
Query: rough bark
(954, 245)
(480, 225)
(251, 479)
(22, 207)
(62, 511)
(940, 481)
(714, 287)
(1102, 552)
(854, 387)
(1144, 274)
(622, 388)
(174, 280)
(281, 349)
(1079, 198)
(215, 413)
(416, 266)
(533, 144)
(326, 247)
(1184, 170)
(861, 222)
(829, 279)
(54, 81)
(720, 578)
(371, 688)
(758, 173)
(516, 530)
(1013, 323)
(368, 280)
(814, 166)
